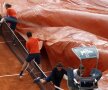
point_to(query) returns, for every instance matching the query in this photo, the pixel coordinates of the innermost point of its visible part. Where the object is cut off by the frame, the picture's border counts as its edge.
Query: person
(75, 74)
(11, 16)
(34, 52)
(56, 76)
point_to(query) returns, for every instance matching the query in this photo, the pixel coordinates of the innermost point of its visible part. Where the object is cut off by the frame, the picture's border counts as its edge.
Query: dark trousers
(12, 21)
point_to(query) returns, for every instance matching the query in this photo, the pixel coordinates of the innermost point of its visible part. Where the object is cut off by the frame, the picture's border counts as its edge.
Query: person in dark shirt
(56, 76)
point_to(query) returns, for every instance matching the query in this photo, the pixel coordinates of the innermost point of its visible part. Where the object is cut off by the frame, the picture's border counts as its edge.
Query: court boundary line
(2, 42)
(11, 75)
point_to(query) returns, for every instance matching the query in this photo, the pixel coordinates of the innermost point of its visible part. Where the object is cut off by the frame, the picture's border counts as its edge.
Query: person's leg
(37, 59)
(26, 63)
(12, 21)
(13, 25)
(24, 67)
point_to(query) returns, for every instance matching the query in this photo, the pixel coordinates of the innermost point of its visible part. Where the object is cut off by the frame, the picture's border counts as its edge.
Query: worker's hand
(76, 84)
(2, 20)
(76, 81)
(95, 80)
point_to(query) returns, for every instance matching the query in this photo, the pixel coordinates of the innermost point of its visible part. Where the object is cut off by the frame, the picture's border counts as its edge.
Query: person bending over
(56, 76)
(11, 16)
(32, 46)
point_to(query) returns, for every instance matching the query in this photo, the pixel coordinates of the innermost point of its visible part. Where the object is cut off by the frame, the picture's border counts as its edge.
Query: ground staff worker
(32, 46)
(11, 16)
(56, 76)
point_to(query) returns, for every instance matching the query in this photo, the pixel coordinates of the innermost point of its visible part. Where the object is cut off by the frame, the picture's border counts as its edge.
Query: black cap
(8, 5)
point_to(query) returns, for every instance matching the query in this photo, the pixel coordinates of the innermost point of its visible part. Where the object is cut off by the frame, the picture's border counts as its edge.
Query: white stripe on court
(2, 42)
(12, 75)
(9, 75)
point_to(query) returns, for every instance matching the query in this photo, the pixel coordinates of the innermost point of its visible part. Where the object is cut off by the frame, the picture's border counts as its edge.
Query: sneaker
(21, 74)
(37, 79)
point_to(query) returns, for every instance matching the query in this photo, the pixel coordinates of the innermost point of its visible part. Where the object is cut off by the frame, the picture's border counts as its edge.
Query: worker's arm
(65, 77)
(42, 40)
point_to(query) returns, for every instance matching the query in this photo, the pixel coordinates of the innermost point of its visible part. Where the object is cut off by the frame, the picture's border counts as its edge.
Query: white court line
(2, 42)
(10, 75)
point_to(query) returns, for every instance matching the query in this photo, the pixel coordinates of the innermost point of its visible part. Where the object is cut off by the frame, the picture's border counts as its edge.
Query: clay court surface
(9, 69)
